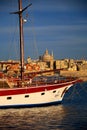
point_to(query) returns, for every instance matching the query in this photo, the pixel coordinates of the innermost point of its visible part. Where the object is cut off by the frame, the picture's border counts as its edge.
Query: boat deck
(37, 81)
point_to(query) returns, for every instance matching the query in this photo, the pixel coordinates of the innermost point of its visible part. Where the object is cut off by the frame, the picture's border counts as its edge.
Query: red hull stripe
(16, 91)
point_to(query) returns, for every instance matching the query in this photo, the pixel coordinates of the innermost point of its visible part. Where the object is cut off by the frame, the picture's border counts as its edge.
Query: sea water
(70, 115)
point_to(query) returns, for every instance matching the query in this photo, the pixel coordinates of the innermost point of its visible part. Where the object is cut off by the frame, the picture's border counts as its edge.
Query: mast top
(21, 10)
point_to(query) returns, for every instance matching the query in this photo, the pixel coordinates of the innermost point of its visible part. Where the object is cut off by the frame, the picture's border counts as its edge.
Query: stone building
(47, 57)
(59, 64)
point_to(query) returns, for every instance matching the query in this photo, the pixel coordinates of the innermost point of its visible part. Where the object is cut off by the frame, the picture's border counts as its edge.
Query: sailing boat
(24, 91)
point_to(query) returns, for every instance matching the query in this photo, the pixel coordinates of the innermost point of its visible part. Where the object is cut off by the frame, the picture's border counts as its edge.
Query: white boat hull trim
(52, 94)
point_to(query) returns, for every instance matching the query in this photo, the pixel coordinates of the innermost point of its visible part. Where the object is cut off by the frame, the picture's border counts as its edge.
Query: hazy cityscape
(47, 62)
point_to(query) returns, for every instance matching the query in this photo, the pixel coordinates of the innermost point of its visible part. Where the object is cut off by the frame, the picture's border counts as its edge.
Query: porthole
(42, 93)
(9, 98)
(54, 91)
(26, 96)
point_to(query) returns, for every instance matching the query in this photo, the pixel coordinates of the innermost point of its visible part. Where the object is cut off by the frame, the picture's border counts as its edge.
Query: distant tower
(52, 53)
(46, 52)
(29, 60)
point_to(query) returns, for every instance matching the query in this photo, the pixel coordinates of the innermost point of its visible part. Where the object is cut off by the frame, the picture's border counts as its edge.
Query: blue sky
(58, 25)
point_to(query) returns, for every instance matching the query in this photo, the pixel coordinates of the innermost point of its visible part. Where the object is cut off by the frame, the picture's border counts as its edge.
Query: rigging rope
(13, 47)
(31, 19)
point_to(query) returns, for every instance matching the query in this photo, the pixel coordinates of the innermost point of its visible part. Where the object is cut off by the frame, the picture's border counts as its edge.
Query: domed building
(47, 57)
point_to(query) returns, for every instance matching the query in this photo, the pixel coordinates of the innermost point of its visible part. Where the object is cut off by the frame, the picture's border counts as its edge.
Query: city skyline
(58, 25)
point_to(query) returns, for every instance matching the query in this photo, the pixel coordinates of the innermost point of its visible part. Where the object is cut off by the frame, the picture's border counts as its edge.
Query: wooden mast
(19, 12)
(21, 39)
(21, 36)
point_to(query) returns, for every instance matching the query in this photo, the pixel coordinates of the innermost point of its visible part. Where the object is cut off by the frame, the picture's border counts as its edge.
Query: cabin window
(54, 91)
(42, 93)
(8, 98)
(26, 96)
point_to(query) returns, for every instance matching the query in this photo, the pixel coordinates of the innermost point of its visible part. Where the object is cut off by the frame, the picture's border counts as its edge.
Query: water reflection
(34, 118)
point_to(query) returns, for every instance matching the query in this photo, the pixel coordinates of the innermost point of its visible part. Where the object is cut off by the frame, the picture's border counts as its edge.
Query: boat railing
(15, 82)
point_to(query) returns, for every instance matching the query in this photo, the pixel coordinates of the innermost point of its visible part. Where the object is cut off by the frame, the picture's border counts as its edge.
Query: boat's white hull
(31, 98)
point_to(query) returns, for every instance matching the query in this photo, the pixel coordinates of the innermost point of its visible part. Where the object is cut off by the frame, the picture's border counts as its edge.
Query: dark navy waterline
(30, 105)
(70, 115)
